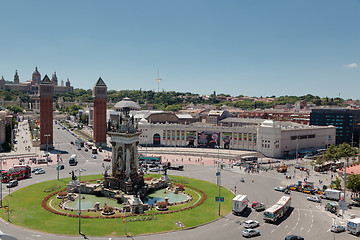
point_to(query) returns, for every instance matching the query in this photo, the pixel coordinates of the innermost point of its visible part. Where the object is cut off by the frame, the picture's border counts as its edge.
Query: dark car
(293, 237)
(60, 167)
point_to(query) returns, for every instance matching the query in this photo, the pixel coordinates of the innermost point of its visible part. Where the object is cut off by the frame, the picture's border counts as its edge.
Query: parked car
(86, 149)
(314, 199)
(280, 189)
(60, 167)
(35, 169)
(41, 171)
(293, 237)
(94, 156)
(155, 169)
(337, 228)
(12, 183)
(251, 223)
(72, 143)
(107, 160)
(250, 232)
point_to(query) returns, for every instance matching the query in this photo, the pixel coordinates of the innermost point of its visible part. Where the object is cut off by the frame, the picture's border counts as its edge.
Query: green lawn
(26, 211)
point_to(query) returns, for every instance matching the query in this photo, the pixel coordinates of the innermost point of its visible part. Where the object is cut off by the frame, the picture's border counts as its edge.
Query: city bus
(149, 160)
(322, 168)
(16, 172)
(273, 213)
(249, 159)
(94, 150)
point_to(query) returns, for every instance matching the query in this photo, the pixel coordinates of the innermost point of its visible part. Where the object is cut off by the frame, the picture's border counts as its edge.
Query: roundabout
(37, 207)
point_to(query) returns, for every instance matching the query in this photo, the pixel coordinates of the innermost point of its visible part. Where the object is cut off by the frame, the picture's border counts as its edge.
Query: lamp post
(58, 161)
(8, 210)
(79, 213)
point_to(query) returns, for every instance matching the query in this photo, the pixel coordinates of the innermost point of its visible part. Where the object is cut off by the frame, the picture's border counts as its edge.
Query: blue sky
(253, 47)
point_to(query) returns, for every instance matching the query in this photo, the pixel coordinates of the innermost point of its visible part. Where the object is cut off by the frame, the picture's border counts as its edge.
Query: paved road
(307, 219)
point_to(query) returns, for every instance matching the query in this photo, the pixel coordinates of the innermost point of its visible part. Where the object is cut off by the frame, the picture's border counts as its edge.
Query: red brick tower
(46, 113)
(100, 97)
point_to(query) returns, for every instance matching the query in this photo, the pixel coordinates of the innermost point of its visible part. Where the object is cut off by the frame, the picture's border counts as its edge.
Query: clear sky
(253, 47)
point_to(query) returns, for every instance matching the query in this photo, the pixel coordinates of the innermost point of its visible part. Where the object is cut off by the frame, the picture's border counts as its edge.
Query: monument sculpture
(125, 140)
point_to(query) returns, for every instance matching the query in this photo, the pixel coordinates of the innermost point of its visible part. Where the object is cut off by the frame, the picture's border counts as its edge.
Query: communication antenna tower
(158, 79)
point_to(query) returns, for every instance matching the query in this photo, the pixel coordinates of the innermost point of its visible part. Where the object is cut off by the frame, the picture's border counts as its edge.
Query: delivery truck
(353, 226)
(239, 204)
(332, 194)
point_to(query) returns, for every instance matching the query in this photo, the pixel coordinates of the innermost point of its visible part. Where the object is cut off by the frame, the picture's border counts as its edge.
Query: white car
(41, 171)
(314, 199)
(250, 232)
(280, 189)
(251, 224)
(337, 228)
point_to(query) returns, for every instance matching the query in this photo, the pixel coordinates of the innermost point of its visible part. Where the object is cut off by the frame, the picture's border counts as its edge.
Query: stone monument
(125, 141)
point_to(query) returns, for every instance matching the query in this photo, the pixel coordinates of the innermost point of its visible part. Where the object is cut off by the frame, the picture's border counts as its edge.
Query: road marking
(301, 229)
(288, 233)
(328, 230)
(278, 226)
(225, 224)
(286, 226)
(273, 230)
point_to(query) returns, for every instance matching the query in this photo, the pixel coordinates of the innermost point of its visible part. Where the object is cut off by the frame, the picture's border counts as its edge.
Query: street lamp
(8, 210)
(79, 213)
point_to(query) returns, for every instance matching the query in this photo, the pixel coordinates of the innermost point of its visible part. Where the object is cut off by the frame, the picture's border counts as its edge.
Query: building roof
(46, 80)
(183, 116)
(100, 83)
(126, 102)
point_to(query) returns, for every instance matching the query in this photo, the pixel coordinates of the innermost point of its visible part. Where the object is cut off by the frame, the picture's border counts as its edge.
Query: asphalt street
(307, 219)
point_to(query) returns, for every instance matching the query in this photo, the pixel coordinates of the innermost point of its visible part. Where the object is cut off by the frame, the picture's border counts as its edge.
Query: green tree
(15, 108)
(353, 182)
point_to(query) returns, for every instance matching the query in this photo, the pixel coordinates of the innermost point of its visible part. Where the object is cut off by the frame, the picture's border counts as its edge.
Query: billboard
(208, 139)
(227, 138)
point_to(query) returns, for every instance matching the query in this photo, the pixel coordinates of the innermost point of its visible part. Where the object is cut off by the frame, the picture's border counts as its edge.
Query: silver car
(251, 224)
(337, 228)
(250, 233)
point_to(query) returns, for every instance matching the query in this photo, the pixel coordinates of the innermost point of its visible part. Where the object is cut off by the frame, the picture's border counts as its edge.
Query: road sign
(221, 199)
(217, 173)
(216, 199)
(343, 205)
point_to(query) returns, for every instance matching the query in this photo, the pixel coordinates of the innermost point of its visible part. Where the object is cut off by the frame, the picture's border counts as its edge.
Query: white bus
(273, 213)
(249, 159)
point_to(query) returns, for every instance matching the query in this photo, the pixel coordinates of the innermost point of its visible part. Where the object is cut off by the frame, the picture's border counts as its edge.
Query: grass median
(26, 211)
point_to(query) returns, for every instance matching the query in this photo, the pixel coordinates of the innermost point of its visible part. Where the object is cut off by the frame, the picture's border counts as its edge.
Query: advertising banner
(208, 139)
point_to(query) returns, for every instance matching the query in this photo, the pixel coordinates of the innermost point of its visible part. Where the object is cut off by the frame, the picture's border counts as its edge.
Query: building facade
(273, 139)
(32, 86)
(346, 121)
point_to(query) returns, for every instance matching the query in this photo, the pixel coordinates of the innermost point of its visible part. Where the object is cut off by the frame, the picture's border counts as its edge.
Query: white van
(73, 160)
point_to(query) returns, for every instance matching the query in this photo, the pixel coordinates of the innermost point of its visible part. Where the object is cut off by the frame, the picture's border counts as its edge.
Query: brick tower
(46, 113)
(100, 97)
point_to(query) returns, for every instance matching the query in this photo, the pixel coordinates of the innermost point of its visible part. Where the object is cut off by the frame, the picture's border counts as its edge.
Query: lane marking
(273, 230)
(301, 229)
(286, 226)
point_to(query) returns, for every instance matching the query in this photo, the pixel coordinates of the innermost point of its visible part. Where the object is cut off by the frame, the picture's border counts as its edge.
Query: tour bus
(249, 159)
(94, 150)
(16, 172)
(73, 160)
(273, 213)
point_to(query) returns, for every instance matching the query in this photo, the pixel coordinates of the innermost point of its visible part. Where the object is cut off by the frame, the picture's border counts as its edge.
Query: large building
(273, 139)
(32, 86)
(346, 121)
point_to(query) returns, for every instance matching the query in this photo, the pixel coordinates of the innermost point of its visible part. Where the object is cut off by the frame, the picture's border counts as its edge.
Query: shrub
(161, 204)
(108, 209)
(62, 194)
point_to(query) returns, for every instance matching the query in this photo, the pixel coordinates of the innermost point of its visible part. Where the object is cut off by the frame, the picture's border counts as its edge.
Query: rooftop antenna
(158, 79)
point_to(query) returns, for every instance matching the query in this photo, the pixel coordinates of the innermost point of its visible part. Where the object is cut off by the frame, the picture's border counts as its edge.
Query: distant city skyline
(251, 48)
